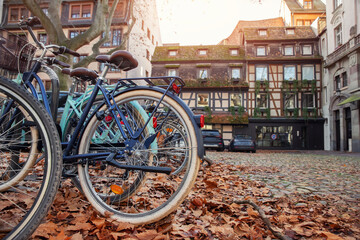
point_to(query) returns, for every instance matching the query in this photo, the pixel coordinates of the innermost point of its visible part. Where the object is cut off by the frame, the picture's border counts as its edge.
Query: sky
(207, 22)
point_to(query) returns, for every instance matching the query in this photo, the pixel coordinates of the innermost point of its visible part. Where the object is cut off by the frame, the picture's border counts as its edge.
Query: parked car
(242, 143)
(213, 140)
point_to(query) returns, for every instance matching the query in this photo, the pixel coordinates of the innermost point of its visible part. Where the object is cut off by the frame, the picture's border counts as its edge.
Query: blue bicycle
(128, 174)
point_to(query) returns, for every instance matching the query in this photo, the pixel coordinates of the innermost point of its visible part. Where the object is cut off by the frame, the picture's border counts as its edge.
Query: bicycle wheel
(154, 195)
(26, 125)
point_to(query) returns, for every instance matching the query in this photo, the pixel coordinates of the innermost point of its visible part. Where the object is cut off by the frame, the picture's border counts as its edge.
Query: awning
(353, 98)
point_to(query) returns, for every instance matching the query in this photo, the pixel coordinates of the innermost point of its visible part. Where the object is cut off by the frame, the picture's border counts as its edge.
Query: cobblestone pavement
(307, 172)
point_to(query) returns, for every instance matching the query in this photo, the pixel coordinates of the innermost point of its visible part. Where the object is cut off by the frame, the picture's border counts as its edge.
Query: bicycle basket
(16, 52)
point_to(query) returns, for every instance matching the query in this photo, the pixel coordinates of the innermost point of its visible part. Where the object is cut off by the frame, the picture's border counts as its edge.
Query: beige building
(341, 47)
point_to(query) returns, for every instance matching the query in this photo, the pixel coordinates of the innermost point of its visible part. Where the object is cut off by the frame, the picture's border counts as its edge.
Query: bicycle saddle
(122, 59)
(82, 73)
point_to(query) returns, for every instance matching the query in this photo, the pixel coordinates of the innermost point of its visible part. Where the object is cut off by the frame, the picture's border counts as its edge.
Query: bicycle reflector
(176, 88)
(200, 120)
(108, 118)
(116, 189)
(154, 122)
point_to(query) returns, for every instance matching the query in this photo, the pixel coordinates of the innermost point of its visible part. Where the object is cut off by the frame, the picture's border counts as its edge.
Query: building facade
(77, 16)
(278, 70)
(341, 44)
(301, 12)
(284, 75)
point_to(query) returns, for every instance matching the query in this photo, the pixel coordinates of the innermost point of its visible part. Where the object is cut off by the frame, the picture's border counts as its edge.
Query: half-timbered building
(284, 76)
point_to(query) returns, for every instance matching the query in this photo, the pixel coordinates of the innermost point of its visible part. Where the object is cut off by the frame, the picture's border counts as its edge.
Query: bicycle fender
(199, 138)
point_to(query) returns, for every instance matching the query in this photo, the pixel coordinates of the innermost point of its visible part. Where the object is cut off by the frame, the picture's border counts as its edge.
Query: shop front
(290, 134)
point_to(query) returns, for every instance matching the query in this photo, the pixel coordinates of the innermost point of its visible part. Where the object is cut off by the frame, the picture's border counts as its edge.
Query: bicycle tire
(155, 187)
(28, 202)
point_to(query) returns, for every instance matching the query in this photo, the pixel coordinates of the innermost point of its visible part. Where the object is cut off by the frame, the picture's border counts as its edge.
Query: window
(337, 82)
(344, 79)
(16, 13)
(289, 72)
(42, 37)
(307, 22)
(74, 33)
(203, 73)
(260, 51)
(172, 72)
(261, 73)
(114, 38)
(202, 99)
(235, 99)
(289, 50)
(262, 100)
(77, 59)
(202, 52)
(289, 100)
(307, 49)
(299, 22)
(337, 3)
(235, 73)
(234, 52)
(308, 72)
(111, 69)
(307, 4)
(80, 11)
(262, 32)
(308, 100)
(172, 53)
(338, 36)
(290, 31)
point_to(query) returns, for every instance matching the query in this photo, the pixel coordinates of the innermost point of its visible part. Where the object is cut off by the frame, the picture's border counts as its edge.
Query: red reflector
(176, 88)
(202, 121)
(108, 118)
(154, 122)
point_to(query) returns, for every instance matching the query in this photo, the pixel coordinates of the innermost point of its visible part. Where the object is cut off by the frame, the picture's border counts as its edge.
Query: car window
(242, 137)
(210, 133)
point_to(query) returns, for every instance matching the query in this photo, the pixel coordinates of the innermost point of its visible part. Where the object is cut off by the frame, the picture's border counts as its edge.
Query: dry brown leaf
(99, 222)
(330, 236)
(80, 226)
(124, 225)
(60, 236)
(147, 235)
(77, 236)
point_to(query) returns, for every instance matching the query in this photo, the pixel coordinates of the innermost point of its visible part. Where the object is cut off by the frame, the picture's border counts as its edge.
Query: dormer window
(173, 53)
(290, 31)
(307, 4)
(262, 32)
(234, 52)
(203, 52)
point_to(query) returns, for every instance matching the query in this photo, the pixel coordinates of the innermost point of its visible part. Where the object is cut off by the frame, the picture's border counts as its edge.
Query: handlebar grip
(69, 51)
(33, 21)
(65, 65)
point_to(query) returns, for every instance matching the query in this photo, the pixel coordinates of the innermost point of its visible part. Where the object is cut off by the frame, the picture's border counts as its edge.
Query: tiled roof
(234, 38)
(191, 53)
(279, 33)
(295, 6)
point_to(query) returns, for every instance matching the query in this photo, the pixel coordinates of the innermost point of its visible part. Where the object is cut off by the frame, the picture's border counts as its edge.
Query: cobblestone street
(310, 172)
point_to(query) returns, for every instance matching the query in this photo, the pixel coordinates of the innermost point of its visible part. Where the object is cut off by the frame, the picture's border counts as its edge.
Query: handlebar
(30, 22)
